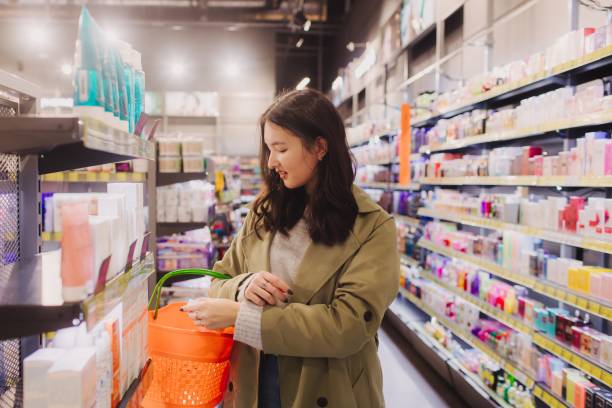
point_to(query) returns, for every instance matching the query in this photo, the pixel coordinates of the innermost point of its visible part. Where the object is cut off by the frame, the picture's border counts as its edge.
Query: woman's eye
(282, 151)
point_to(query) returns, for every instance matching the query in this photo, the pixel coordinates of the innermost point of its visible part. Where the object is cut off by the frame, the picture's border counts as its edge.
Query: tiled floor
(408, 380)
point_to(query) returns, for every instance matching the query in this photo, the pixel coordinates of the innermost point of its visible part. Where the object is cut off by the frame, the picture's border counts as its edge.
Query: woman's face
(295, 164)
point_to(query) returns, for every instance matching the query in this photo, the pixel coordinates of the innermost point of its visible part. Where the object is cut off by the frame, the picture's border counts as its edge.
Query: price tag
(101, 283)
(538, 392)
(606, 312)
(606, 378)
(130, 257)
(572, 299)
(582, 303)
(145, 246)
(90, 176)
(594, 371)
(560, 294)
(530, 383)
(594, 307)
(73, 176)
(538, 287)
(548, 399)
(138, 176)
(122, 176)
(105, 176)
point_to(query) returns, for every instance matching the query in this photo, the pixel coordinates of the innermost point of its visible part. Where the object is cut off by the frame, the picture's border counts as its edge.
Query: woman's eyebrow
(276, 144)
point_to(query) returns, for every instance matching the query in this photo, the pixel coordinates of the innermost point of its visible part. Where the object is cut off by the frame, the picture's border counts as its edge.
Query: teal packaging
(109, 103)
(88, 72)
(127, 70)
(121, 85)
(139, 88)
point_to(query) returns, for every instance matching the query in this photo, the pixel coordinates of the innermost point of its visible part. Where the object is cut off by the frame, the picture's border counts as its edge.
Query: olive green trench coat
(325, 339)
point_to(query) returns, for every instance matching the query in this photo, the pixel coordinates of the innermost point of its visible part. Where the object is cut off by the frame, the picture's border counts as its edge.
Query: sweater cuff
(248, 325)
(243, 287)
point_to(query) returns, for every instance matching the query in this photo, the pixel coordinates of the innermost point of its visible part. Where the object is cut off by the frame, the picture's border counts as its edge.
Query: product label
(83, 86)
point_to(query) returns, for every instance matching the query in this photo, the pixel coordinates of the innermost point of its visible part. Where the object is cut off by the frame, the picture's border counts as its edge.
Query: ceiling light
(66, 69)
(233, 69)
(232, 28)
(178, 27)
(38, 36)
(352, 46)
(177, 69)
(300, 43)
(303, 83)
(307, 25)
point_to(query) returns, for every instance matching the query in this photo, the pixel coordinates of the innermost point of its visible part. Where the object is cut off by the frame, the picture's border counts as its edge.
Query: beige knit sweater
(286, 253)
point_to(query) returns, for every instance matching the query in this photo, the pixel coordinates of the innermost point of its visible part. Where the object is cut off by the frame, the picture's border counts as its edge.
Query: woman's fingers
(277, 282)
(263, 294)
(252, 297)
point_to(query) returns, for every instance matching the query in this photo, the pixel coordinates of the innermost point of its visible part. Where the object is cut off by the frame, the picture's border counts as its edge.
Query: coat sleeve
(342, 328)
(233, 264)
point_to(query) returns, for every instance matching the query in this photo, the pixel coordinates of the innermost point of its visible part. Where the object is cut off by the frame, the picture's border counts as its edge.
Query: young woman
(314, 268)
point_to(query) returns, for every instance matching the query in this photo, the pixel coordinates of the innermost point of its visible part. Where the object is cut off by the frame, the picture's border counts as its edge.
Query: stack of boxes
(178, 155)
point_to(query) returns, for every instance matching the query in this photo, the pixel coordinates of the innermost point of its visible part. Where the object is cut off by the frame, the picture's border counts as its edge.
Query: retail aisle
(409, 378)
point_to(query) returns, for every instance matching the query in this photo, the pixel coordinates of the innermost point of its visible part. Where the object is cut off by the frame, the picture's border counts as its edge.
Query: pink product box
(606, 286)
(608, 159)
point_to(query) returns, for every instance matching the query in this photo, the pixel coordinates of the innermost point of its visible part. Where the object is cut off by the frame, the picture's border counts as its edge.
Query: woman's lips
(283, 174)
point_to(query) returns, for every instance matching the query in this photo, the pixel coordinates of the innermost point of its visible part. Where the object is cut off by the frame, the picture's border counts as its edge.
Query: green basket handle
(156, 296)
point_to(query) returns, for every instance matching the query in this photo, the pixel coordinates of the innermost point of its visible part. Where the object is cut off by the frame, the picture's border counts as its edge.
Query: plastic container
(169, 164)
(169, 147)
(193, 164)
(193, 147)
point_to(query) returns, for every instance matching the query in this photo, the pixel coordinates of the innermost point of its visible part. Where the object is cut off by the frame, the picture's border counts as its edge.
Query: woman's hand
(212, 313)
(267, 289)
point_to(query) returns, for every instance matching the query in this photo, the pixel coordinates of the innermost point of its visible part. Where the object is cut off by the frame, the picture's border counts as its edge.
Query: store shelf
(165, 179)
(391, 186)
(388, 133)
(30, 301)
(93, 177)
(539, 82)
(590, 120)
(549, 289)
(575, 240)
(66, 143)
(408, 260)
(51, 236)
(169, 228)
(468, 338)
(443, 362)
(530, 181)
(415, 222)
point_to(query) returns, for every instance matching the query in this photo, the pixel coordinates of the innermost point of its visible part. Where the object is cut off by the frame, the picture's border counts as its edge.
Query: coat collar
(320, 262)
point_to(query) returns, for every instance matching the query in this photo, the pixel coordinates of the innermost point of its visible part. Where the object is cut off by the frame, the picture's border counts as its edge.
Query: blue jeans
(269, 389)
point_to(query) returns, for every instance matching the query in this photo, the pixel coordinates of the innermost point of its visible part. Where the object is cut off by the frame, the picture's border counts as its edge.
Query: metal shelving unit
(169, 228)
(32, 146)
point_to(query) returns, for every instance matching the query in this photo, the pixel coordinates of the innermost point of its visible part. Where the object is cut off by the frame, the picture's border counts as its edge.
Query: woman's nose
(272, 162)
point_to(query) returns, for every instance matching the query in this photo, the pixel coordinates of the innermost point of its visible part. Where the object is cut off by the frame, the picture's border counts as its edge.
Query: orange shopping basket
(190, 365)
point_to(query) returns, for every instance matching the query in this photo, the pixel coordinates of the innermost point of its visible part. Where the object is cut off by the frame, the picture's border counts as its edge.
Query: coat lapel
(319, 264)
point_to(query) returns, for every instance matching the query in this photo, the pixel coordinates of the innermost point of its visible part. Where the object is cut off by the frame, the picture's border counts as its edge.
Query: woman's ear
(320, 147)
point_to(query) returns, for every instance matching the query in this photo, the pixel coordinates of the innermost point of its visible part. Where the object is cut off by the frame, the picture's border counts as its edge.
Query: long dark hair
(332, 209)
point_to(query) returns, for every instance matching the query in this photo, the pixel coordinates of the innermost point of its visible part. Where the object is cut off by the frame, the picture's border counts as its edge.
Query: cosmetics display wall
(186, 202)
(564, 103)
(569, 47)
(591, 157)
(193, 249)
(85, 368)
(567, 384)
(575, 215)
(93, 228)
